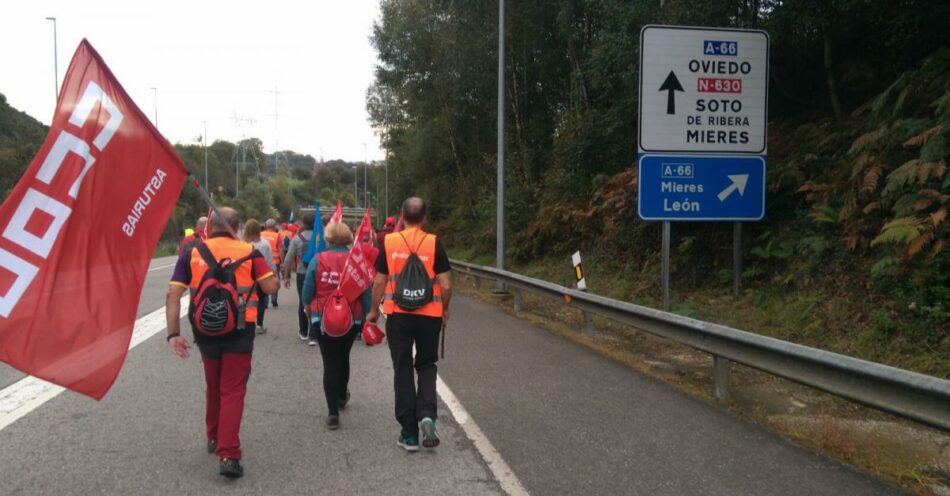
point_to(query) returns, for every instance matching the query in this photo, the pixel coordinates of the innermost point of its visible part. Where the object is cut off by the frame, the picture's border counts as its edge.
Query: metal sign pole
(500, 209)
(737, 258)
(665, 268)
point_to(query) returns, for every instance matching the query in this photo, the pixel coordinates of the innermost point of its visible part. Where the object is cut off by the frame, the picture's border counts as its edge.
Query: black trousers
(336, 365)
(414, 403)
(302, 321)
(261, 307)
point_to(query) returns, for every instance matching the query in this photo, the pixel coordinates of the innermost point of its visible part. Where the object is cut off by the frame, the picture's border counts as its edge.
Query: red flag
(360, 268)
(337, 214)
(79, 230)
(365, 234)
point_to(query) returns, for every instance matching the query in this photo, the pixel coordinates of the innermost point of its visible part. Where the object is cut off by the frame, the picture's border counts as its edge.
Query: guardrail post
(516, 292)
(478, 283)
(721, 375)
(589, 323)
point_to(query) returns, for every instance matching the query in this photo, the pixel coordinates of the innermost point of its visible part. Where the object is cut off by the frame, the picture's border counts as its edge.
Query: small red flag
(79, 230)
(337, 214)
(360, 268)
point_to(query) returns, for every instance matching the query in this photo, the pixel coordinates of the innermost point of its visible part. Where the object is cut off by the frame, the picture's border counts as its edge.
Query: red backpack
(216, 308)
(336, 313)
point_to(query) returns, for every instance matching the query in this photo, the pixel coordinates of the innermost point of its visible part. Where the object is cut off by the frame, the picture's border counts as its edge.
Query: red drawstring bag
(372, 334)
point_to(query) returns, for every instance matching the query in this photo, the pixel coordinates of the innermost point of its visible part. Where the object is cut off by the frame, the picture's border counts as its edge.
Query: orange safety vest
(228, 248)
(397, 251)
(273, 239)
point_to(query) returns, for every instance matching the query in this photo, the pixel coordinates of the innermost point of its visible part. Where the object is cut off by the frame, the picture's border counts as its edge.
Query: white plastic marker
(29, 393)
(506, 477)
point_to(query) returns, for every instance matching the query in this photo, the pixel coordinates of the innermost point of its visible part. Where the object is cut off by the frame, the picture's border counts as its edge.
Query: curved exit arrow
(738, 184)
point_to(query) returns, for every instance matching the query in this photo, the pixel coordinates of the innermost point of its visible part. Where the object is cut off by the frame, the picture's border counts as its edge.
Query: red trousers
(226, 385)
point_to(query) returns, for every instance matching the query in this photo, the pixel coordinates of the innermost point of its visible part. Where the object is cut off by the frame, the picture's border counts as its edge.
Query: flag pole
(207, 198)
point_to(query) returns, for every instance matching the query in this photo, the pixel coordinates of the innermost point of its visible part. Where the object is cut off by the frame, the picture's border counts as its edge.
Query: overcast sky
(218, 62)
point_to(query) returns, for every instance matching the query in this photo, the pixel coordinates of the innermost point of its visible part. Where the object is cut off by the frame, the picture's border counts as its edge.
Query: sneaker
(408, 443)
(212, 445)
(302, 335)
(231, 468)
(344, 400)
(274, 304)
(430, 438)
(333, 422)
(313, 342)
(261, 330)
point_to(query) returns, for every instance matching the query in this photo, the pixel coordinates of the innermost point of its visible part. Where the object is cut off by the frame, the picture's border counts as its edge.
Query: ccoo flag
(78, 231)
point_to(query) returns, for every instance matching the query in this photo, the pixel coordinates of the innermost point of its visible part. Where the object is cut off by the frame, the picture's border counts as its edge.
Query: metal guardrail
(911, 395)
(349, 213)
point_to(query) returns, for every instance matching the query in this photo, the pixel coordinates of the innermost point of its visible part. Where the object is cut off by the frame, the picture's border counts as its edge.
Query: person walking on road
(226, 358)
(323, 277)
(271, 234)
(388, 227)
(415, 316)
(293, 261)
(188, 241)
(252, 236)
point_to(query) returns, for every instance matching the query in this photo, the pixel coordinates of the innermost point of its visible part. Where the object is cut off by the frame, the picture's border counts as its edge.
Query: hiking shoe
(231, 468)
(302, 335)
(430, 438)
(345, 399)
(274, 304)
(333, 422)
(313, 342)
(212, 445)
(261, 330)
(408, 443)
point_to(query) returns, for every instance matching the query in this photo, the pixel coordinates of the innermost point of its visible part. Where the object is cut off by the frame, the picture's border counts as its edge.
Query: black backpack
(413, 284)
(217, 308)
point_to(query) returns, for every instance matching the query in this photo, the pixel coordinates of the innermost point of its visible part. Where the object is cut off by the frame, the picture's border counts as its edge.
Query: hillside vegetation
(851, 255)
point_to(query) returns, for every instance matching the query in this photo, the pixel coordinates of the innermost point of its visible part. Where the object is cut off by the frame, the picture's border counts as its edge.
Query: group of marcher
(412, 285)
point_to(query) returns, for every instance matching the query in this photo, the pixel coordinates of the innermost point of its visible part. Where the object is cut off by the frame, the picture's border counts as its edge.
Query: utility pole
(500, 209)
(276, 130)
(365, 181)
(387, 186)
(205, 142)
(55, 60)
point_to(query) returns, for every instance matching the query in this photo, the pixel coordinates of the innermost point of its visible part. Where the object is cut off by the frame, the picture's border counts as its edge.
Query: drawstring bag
(372, 334)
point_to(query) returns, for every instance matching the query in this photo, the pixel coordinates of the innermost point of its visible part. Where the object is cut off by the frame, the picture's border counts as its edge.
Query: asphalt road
(566, 421)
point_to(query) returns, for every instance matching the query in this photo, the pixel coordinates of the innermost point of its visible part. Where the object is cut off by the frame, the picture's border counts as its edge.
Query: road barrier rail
(911, 395)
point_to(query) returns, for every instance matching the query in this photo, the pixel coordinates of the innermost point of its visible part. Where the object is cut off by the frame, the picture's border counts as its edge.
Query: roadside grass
(166, 249)
(893, 449)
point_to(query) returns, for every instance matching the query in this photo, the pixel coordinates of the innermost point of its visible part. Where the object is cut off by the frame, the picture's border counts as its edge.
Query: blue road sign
(698, 188)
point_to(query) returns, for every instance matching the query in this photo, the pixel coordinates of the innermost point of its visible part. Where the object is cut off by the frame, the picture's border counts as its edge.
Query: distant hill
(20, 138)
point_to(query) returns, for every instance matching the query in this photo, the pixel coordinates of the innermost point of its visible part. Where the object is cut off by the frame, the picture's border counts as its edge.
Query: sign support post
(665, 267)
(736, 258)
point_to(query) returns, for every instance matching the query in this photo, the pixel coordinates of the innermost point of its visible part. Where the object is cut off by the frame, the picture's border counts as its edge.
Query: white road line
(506, 477)
(153, 269)
(29, 393)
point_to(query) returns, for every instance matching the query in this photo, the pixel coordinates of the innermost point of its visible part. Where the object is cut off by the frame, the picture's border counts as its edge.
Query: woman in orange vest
(419, 327)
(272, 237)
(252, 236)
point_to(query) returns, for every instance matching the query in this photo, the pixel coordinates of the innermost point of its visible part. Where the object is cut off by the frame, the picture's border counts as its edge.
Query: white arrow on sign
(738, 183)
